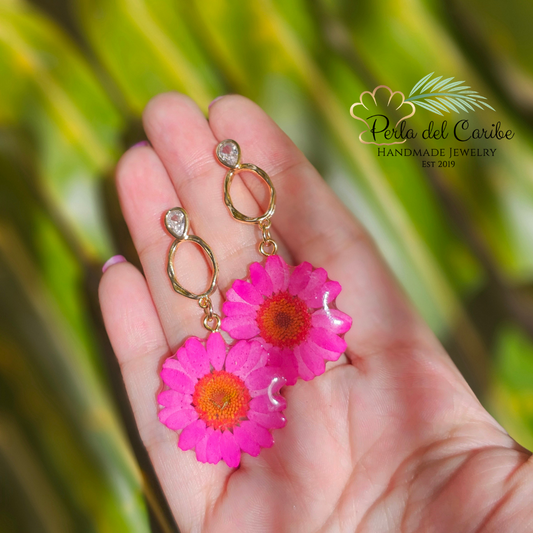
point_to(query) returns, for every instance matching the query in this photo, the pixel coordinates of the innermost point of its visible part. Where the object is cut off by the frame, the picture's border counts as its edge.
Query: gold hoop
(235, 213)
(177, 224)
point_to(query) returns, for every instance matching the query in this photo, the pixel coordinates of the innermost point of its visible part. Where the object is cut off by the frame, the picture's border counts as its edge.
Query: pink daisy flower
(291, 311)
(225, 403)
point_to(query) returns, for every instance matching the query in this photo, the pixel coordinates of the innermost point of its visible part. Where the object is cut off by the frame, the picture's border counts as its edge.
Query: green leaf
(430, 84)
(450, 85)
(421, 82)
(448, 102)
(449, 99)
(427, 105)
(436, 104)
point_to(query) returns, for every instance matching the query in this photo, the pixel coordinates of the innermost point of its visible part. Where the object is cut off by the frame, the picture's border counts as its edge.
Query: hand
(390, 438)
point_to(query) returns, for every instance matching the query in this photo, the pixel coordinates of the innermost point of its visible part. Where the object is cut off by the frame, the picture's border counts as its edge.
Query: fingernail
(113, 261)
(217, 98)
(141, 143)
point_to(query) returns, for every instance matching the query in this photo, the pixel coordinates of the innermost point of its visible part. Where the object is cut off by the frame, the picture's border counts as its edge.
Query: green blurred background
(75, 77)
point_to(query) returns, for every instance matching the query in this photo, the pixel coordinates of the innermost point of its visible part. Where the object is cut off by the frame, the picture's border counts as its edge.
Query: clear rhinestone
(228, 153)
(176, 222)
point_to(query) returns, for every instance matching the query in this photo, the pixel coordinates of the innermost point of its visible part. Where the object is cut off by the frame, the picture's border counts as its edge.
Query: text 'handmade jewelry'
(290, 310)
(224, 398)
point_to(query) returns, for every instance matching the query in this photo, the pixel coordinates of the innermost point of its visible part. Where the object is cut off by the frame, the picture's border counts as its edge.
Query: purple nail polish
(217, 98)
(141, 143)
(113, 261)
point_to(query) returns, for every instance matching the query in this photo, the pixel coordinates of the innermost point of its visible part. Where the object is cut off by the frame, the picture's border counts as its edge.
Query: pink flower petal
(258, 433)
(164, 414)
(261, 378)
(192, 435)
(260, 279)
(300, 278)
(232, 296)
(285, 360)
(327, 355)
(230, 450)
(312, 358)
(332, 290)
(177, 419)
(257, 358)
(176, 379)
(172, 398)
(331, 319)
(237, 356)
(195, 356)
(276, 355)
(240, 327)
(312, 293)
(328, 340)
(264, 403)
(317, 278)
(186, 367)
(173, 363)
(212, 449)
(201, 447)
(303, 369)
(278, 271)
(273, 420)
(216, 350)
(247, 292)
(239, 309)
(246, 442)
(321, 296)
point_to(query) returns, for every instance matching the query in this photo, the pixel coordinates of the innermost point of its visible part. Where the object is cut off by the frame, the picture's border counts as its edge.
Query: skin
(390, 438)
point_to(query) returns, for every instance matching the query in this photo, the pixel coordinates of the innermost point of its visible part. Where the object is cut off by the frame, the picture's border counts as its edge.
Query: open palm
(390, 438)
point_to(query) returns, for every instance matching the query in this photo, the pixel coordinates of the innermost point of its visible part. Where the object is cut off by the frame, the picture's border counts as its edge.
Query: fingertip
(164, 106)
(140, 143)
(131, 158)
(113, 261)
(215, 100)
(112, 278)
(140, 178)
(232, 103)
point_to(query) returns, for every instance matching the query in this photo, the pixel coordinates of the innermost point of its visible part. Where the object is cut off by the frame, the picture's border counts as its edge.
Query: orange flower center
(284, 320)
(221, 399)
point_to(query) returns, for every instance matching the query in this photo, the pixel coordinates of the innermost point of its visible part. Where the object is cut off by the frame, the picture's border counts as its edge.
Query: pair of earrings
(226, 398)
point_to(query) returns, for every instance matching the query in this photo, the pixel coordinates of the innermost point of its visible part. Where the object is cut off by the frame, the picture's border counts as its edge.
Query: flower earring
(225, 399)
(290, 310)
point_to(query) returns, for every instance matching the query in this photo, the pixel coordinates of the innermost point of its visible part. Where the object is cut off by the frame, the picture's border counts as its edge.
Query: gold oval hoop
(235, 213)
(172, 274)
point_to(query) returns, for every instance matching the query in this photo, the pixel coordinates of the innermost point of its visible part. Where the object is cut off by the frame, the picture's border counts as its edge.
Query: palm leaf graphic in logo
(446, 95)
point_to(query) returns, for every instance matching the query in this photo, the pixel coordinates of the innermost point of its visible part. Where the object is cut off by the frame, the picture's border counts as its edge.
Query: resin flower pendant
(291, 311)
(225, 401)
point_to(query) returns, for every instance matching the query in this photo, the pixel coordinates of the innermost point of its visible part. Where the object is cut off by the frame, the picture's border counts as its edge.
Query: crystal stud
(177, 223)
(228, 153)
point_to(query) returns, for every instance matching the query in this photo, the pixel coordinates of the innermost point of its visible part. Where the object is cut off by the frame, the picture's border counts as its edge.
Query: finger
(146, 193)
(140, 346)
(316, 227)
(181, 136)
